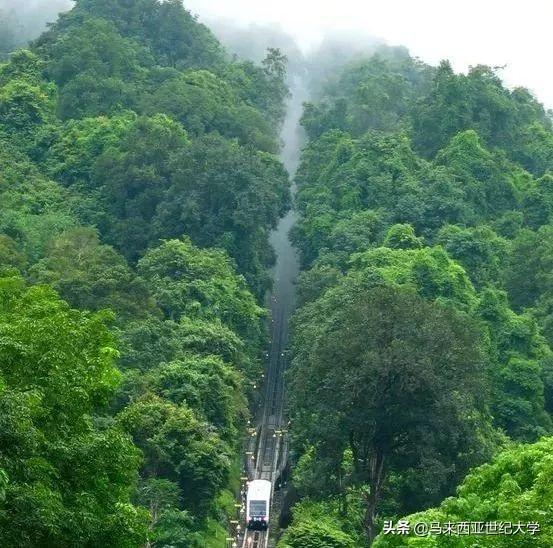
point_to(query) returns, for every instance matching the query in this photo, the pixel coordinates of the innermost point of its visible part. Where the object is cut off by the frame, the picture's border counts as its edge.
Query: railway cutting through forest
(267, 449)
(268, 445)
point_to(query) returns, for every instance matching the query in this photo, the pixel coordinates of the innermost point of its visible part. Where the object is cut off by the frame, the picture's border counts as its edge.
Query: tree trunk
(373, 498)
(343, 495)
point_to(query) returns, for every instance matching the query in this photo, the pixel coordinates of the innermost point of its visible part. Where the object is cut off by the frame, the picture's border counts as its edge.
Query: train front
(257, 504)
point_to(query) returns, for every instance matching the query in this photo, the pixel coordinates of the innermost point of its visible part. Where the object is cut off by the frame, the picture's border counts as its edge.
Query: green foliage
(207, 385)
(402, 237)
(150, 342)
(26, 102)
(180, 448)
(97, 70)
(72, 150)
(347, 176)
(512, 120)
(170, 525)
(23, 65)
(10, 255)
(426, 187)
(528, 273)
(88, 345)
(488, 184)
(222, 194)
(200, 283)
(374, 93)
(23, 107)
(92, 276)
(331, 523)
(480, 251)
(535, 146)
(342, 180)
(173, 34)
(430, 270)
(144, 180)
(315, 533)
(34, 208)
(385, 361)
(68, 480)
(518, 377)
(127, 124)
(153, 57)
(131, 178)
(204, 102)
(515, 487)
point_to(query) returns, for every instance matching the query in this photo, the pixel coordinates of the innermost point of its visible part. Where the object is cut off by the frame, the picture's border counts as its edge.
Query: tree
(514, 488)
(518, 376)
(180, 448)
(275, 90)
(479, 101)
(479, 250)
(204, 102)
(207, 385)
(96, 69)
(168, 526)
(34, 208)
(69, 477)
(173, 34)
(528, 273)
(133, 177)
(373, 91)
(315, 533)
(489, 184)
(429, 270)
(24, 107)
(356, 233)
(187, 281)
(536, 144)
(380, 348)
(148, 343)
(71, 152)
(92, 276)
(321, 524)
(223, 195)
(10, 255)
(402, 237)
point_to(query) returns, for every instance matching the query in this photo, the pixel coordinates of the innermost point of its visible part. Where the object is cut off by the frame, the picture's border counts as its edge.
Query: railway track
(256, 539)
(267, 447)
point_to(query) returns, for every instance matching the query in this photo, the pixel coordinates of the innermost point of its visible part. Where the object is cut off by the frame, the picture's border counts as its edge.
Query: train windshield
(258, 508)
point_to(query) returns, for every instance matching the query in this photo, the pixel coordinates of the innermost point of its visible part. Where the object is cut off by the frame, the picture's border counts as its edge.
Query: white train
(258, 503)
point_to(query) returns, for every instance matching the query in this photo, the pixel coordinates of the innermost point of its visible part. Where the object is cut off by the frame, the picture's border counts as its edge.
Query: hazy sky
(494, 32)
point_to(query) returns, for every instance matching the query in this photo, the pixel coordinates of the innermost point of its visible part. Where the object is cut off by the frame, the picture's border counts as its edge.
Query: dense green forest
(138, 184)
(422, 344)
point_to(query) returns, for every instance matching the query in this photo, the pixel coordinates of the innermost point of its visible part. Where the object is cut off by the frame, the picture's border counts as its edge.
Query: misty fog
(425, 28)
(312, 66)
(24, 20)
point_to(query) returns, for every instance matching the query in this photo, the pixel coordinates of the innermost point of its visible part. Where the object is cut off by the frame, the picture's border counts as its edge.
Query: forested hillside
(422, 345)
(139, 182)
(138, 185)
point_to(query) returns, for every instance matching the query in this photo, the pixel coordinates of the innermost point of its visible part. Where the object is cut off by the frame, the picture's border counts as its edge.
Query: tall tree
(70, 474)
(380, 348)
